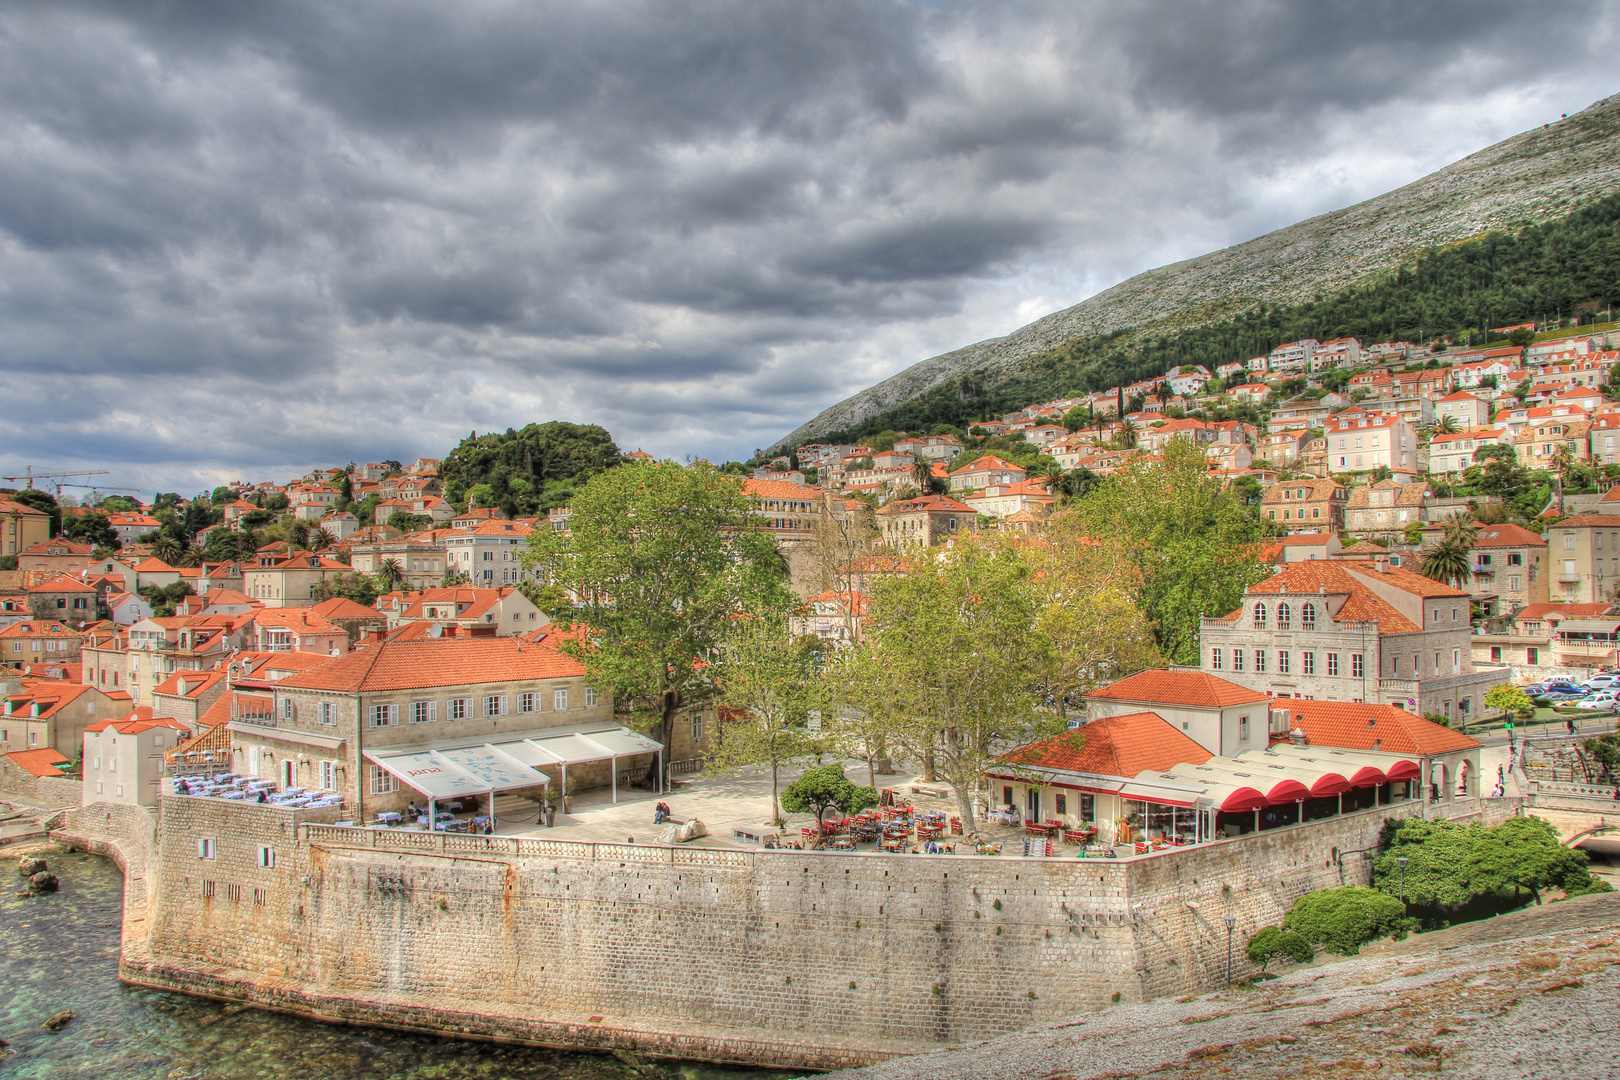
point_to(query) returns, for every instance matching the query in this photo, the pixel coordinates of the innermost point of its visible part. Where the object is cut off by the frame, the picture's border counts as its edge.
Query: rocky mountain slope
(1536, 176)
(1529, 994)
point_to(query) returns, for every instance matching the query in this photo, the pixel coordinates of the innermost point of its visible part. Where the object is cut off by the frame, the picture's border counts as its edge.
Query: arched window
(1307, 617)
(1260, 616)
(1283, 617)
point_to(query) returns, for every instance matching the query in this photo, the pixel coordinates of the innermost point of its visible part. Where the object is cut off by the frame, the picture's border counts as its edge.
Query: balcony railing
(1484, 568)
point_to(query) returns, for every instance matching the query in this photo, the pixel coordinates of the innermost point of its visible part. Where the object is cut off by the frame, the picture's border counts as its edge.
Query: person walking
(1569, 724)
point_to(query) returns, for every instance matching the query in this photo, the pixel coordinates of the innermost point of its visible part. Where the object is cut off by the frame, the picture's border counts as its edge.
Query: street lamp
(1231, 923)
(1402, 860)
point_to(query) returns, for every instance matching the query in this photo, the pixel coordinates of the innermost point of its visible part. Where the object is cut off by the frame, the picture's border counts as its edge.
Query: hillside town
(1262, 615)
(371, 597)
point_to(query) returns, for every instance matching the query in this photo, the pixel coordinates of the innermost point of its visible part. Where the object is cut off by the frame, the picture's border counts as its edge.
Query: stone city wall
(806, 960)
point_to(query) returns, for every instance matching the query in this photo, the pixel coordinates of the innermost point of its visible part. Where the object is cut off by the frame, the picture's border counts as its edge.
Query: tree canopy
(823, 788)
(529, 469)
(1191, 546)
(661, 561)
(1342, 920)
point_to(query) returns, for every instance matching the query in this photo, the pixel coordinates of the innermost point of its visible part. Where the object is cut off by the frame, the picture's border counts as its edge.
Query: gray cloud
(239, 240)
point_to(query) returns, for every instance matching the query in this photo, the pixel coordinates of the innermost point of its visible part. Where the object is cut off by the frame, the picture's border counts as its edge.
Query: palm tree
(922, 474)
(1446, 426)
(321, 538)
(298, 533)
(166, 549)
(391, 573)
(1449, 561)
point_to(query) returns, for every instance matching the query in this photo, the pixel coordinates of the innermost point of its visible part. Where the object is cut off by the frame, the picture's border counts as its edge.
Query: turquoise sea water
(61, 952)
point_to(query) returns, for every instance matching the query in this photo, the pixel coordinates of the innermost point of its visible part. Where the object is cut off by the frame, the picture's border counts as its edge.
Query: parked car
(1565, 693)
(1603, 699)
(1601, 682)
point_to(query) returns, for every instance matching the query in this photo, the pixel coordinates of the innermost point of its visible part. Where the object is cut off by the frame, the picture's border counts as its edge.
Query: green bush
(1271, 943)
(1343, 920)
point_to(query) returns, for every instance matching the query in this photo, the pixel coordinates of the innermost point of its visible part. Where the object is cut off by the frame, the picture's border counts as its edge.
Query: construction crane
(96, 487)
(30, 475)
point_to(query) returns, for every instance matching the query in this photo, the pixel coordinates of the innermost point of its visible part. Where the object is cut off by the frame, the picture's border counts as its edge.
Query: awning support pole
(615, 767)
(660, 771)
(433, 813)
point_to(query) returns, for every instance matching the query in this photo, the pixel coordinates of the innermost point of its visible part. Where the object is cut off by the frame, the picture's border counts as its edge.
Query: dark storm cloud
(241, 239)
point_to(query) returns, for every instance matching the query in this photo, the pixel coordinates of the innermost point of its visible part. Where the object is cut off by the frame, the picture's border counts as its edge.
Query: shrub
(1343, 920)
(1270, 943)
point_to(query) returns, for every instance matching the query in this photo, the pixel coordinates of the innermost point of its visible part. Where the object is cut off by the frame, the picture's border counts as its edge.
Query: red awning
(1403, 770)
(1367, 776)
(1243, 800)
(1287, 791)
(1328, 785)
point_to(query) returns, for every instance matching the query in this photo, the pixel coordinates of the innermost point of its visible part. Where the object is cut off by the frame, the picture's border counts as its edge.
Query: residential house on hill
(984, 471)
(1463, 409)
(488, 555)
(52, 714)
(21, 526)
(123, 758)
(57, 556)
(289, 581)
(1384, 510)
(38, 641)
(131, 526)
(1361, 441)
(498, 611)
(927, 521)
(1450, 454)
(1299, 504)
(1583, 553)
(1509, 570)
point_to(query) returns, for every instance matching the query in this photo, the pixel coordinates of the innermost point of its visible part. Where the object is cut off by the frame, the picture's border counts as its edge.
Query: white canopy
(447, 769)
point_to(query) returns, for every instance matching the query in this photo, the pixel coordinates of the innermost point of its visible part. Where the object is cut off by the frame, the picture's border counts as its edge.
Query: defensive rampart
(806, 960)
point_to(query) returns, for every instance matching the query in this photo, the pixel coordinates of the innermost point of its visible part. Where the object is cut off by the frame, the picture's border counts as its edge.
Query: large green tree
(661, 560)
(955, 660)
(1190, 543)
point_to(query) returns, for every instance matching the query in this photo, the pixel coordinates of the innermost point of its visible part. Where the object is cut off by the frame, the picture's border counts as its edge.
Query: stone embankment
(1529, 994)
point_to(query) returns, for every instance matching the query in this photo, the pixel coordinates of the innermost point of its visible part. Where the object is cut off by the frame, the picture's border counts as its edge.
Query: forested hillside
(1539, 176)
(528, 470)
(1570, 267)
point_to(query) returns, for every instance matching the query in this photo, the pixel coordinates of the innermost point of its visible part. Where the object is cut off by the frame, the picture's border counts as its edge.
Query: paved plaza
(722, 803)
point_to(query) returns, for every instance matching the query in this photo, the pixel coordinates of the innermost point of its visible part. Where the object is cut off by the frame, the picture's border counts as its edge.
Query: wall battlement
(743, 956)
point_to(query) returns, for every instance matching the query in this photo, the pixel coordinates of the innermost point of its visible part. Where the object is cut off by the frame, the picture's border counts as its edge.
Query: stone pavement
(720, 802)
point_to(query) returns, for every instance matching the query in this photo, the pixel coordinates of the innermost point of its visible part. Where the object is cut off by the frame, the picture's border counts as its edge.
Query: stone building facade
(397, 695)
(1347, 631)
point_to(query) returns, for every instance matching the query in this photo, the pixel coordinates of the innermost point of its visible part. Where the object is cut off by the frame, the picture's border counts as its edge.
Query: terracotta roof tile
(1367, 727)
(41, 762)
(1121, 746)
(1178, 688)
(408, 665)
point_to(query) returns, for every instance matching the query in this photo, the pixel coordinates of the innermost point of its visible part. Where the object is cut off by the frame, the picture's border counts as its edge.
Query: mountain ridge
(1532, 177)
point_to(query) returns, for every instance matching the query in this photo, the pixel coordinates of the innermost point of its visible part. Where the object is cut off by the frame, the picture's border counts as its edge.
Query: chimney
(1381, 563)
(1297, 735)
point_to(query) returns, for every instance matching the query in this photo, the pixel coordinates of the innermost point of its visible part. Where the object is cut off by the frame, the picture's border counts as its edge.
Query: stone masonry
(744, 956)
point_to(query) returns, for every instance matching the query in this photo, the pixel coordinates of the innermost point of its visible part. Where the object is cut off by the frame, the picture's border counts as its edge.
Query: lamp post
(1231, 923)
(1402, 860)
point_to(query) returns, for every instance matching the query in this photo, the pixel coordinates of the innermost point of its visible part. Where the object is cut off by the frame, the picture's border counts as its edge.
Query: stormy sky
(241, 239)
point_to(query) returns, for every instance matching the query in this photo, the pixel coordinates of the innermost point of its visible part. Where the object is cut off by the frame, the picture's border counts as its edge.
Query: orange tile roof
(929, 503)
(196, 683)
(341, 607)
(1368, 727)
(1508, 536)
(1601, 521)
(1569, 611)
(766, 488)
(62, 583)
(1337, 577)
(1121, 746)
(37, 628)
(138, 721)
(409, 665)
(41, 762)
(1169, 687)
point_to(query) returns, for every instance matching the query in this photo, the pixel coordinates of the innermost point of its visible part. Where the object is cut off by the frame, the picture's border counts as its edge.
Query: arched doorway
(1465, 777)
